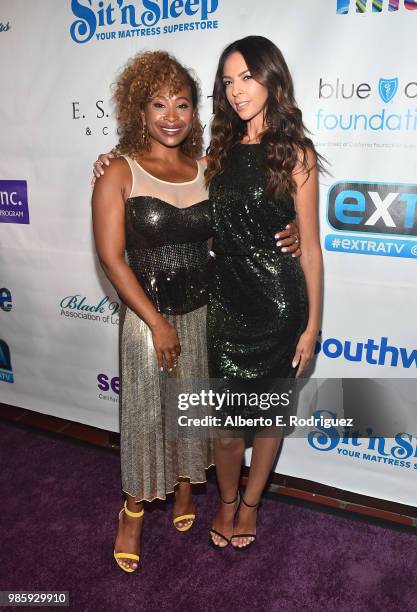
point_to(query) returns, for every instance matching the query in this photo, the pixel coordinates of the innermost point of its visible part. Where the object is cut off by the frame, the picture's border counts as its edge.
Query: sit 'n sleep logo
(99, 20)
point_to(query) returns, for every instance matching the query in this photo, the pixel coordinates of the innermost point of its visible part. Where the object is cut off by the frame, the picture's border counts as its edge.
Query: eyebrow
(225, 76)
(167, 98)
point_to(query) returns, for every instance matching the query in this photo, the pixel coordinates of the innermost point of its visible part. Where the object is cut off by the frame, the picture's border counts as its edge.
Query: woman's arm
(306, 204)
(108, 204)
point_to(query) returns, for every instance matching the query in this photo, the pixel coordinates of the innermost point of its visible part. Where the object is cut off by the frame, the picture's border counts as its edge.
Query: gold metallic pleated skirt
(152, 459)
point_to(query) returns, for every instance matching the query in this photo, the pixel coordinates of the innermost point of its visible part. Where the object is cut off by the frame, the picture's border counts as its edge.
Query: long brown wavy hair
(284, 138)
(141, 79)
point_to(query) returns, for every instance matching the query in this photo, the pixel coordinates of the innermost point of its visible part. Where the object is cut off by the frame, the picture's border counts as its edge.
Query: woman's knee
(229, 444)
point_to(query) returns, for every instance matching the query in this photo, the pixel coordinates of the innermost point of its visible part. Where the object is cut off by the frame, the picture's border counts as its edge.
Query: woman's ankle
(133, 505)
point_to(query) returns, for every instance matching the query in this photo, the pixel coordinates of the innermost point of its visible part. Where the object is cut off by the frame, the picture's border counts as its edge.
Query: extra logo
(383, 209)
(14, 207)
(5, 300)
(6, 371)
(343, 7)
(4, 27)
(100, 20)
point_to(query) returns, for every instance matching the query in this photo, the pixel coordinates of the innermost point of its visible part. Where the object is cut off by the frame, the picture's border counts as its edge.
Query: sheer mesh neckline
(154, 178)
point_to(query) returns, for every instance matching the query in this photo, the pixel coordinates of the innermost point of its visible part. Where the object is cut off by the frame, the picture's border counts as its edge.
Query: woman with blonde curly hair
(152, 207)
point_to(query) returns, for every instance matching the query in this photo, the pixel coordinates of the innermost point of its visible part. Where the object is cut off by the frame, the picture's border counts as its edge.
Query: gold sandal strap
(183, 517)
(122, 555)
(133, 514)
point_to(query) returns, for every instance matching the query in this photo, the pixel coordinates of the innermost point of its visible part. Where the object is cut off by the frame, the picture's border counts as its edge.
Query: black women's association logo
(99, 20)
(76, 306)
(6, 371)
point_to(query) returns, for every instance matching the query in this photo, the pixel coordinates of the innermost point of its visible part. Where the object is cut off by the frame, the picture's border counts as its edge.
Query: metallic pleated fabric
(154, 455)
(167, 229)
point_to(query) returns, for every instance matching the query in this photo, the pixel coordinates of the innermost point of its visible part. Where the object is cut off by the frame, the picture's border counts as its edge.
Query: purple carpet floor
(59, 506)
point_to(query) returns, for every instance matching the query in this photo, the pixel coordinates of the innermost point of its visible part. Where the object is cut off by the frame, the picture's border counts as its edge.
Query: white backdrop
(356, 84)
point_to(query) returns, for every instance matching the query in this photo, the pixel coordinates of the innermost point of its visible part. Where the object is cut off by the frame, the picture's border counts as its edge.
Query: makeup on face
(169, 118)
(244, 93)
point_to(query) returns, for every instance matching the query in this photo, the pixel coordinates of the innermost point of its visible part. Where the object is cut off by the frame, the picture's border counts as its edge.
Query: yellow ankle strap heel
(125, 555)
(183, 517)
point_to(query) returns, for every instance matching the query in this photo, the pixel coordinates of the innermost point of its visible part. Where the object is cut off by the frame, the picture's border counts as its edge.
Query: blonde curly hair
(141, 79)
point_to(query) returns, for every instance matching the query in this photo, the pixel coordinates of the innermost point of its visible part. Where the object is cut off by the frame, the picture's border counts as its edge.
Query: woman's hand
(289, 239)
(304, 351)
(166, 343)
(103, 159)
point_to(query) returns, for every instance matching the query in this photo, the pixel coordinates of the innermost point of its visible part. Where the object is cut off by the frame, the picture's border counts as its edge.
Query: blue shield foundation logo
(6, 372)
(387, 88)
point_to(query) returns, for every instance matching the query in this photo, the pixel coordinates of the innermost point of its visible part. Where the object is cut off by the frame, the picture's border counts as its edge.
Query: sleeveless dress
(258, 301)
(167, 226)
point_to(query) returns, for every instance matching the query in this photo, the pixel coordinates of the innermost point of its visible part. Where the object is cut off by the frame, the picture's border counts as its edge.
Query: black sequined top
(258, 301)
(166, 243)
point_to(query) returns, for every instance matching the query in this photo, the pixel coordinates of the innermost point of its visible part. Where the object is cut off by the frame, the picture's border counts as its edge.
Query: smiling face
(169, 118)
(245, 95)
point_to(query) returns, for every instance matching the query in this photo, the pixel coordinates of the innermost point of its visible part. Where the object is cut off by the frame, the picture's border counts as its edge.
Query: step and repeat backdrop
(353, 65)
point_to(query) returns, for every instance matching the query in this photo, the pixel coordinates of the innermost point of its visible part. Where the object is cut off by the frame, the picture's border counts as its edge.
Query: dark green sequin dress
(257, 301)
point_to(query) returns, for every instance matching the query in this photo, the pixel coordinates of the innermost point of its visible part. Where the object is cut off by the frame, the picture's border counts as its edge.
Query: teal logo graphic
(104, 311)
(387, 89)
(4, 27)
(6, 372)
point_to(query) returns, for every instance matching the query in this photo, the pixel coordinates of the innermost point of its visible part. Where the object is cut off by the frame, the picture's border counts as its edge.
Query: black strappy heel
(245, 535)
(228, 540)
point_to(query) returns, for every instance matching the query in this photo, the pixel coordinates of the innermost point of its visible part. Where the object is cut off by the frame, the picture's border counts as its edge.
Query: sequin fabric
(167, 227)
(258, 302)
(166, 247)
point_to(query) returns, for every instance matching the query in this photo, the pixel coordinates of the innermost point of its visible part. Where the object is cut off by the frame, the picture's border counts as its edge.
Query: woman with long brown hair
(264, 307)
(165, 302)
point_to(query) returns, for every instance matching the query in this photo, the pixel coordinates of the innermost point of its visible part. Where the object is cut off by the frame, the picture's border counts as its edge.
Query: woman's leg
(264, 453)
(183, 502)
(128, 534)
(228, 457)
